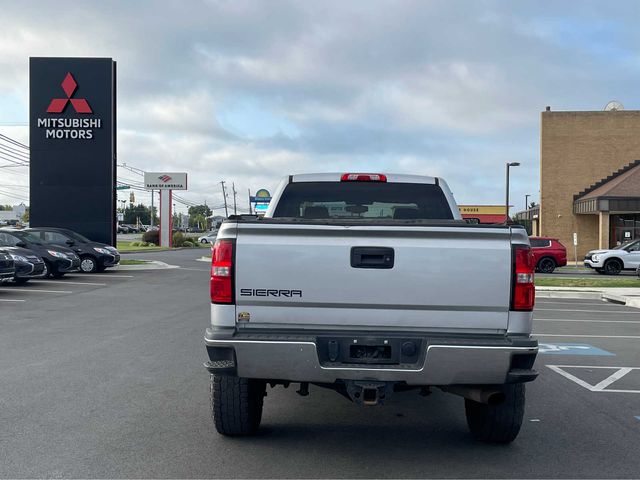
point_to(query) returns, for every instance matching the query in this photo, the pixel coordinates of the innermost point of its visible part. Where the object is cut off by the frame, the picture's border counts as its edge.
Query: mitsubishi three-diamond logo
(58, 105)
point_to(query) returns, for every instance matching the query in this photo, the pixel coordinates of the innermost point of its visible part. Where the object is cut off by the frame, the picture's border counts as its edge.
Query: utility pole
(249, 191)
(233, 186)
(224, 194)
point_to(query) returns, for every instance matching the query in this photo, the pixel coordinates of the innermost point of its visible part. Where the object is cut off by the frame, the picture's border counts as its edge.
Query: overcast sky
(250, 91)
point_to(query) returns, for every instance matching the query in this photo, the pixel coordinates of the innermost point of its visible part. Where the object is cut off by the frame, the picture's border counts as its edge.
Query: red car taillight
(222, 272)
(524, 291)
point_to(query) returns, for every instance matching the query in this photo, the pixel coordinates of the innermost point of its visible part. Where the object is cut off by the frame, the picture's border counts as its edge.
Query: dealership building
(589, 178)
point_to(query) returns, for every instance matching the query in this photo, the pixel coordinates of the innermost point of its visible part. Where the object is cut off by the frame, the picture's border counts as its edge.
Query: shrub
(152, 236)
(135, 244)
(187, 243)
(178, 239)
(144, 244)
(151, 244)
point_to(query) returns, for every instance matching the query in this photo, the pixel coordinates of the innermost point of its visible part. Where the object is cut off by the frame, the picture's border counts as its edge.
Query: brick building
(590, 178)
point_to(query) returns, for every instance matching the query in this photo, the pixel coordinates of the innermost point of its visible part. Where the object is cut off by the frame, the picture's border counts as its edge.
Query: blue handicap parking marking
(572, 349)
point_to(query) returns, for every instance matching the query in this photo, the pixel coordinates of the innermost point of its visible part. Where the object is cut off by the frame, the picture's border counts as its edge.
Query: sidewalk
(624, 296)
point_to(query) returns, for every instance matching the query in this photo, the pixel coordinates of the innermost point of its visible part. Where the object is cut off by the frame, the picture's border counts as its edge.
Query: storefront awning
(619, 192)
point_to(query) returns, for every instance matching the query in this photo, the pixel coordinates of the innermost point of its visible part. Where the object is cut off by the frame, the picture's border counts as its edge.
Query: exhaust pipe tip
(496, 398)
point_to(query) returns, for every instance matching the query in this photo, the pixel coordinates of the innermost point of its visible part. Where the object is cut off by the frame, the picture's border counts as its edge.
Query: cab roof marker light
(363, 177)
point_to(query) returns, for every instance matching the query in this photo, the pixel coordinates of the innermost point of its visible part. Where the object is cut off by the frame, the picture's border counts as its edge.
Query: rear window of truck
(363, 200)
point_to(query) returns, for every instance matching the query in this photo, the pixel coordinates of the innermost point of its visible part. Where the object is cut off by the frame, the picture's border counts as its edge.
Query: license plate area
(364, 353)
(368, 350)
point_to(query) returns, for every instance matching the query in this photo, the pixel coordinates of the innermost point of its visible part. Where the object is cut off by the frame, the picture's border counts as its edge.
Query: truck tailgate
(449, 279)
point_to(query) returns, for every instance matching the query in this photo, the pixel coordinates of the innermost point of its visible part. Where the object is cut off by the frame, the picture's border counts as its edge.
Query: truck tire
(236, 404)
(497, 423)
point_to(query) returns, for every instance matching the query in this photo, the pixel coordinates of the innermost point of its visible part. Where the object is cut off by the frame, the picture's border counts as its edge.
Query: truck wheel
(497, 423)
(236, 404)
(612, 267)
(546, 265)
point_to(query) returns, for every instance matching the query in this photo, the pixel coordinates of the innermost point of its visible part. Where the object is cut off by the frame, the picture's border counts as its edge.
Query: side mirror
(21, 245)
(71, 243)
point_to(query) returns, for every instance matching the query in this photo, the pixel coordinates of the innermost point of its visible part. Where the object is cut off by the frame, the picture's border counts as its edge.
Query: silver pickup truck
(370, 284)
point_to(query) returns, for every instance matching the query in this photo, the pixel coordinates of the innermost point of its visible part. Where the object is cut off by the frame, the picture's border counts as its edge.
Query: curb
(152, 265)
(569, 294)
(159, 250)
(549, 292)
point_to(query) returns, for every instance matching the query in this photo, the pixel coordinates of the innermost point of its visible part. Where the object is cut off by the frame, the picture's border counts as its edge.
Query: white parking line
(601, 386)
(618, 312)
(580, 321)
(102, 275)
(10, 300)
(583, 336)
(37, 290)
(67, 282)
(567, 304)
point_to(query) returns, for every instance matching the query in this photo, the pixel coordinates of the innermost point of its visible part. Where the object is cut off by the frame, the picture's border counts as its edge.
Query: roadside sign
(575, 239)
(165, 180)
(120, 217)
(260, 199)
(123, 187)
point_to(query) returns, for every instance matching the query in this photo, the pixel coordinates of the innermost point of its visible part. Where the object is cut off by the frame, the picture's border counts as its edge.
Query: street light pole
(506, 204)
(526, 202)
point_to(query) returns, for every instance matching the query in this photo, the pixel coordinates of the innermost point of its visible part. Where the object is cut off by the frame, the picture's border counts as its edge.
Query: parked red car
(548, 253)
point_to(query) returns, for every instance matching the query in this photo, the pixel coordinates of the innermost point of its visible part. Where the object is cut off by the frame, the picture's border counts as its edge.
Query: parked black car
(7, 265)
(28, 265)
(57, 260)
(94, 256)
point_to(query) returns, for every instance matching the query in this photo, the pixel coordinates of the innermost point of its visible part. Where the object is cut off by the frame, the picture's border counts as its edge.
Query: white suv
(613, 261)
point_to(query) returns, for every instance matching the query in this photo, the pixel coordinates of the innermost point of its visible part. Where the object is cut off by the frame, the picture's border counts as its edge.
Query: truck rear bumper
(441, 361)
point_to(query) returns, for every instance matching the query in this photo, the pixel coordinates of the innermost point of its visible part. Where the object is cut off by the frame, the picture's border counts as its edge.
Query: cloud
(250, 91)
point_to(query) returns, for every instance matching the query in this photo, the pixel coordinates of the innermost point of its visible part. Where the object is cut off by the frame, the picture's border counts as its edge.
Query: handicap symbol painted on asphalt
(572, 349)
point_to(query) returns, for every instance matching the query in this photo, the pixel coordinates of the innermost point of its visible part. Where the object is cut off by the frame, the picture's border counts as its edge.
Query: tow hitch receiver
(368, 393)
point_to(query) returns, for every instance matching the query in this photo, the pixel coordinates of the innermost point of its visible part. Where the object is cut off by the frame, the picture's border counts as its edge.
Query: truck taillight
(363, 177)
(524, 291)
(222, 272)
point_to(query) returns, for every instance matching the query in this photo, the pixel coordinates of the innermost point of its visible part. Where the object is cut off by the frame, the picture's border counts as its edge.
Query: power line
(15, 151)
(14, 157)
(15, 142)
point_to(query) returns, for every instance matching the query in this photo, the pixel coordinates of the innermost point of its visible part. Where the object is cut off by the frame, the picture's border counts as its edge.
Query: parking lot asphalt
(102, 377)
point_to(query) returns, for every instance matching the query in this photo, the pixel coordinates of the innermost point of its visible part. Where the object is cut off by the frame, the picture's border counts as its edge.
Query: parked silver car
(209, 237)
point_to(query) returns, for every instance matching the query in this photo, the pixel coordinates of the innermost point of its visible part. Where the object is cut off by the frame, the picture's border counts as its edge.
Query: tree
(140, 212)
(25, 217)
(533, 205)
(200, 210)
(5, 208)
(198, 221)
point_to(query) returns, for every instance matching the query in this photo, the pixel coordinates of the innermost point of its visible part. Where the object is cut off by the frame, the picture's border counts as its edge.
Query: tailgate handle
(372, 257)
